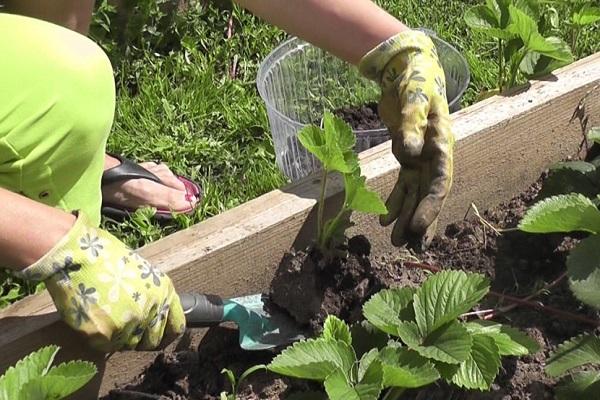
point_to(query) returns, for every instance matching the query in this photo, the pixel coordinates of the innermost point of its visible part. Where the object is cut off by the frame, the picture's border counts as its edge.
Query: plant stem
(323, 244)
(321, 207)
(394, 393)
(574, 37)
(500, 65)
(519, 301)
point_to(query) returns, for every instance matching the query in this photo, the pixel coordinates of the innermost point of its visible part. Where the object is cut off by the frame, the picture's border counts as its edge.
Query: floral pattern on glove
(108, 292)
(414, 107)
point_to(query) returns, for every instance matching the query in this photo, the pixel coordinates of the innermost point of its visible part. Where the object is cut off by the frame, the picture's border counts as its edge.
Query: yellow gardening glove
(413, 106)
(108, 292)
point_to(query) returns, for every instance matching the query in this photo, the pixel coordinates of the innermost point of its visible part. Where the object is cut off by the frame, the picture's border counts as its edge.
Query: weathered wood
(503, 145)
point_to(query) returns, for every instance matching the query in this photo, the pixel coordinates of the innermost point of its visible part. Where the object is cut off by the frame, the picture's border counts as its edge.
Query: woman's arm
(28, 229)
(346, 28)
(73, 14)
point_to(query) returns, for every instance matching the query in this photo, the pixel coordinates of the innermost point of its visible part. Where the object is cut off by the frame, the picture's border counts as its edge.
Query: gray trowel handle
(202, 310)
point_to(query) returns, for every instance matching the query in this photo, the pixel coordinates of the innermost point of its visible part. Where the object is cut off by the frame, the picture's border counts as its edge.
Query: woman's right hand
(108, 292)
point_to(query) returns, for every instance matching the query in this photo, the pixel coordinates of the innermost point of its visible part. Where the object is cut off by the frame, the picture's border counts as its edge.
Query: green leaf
(500, 10)
(529, 7)
(573, 353)
(60, 381)
(388, 307)
(446, 295)
(406, 368)
(365, 362)
(408, 331)
(30, 367)
(230, 377)
(535, 65)
(571, 177)
(365, 337)
(587, 15)
(338, 388)
(332, 146)
(373, 374)
(582, 385)
(314, 359)
(594, 134)
(479, 370)
(563, 213)
(359, 198)
(510, 341)
(583, 268)
(482, 18)
(336, 329)
(450, 343)
(526, 28)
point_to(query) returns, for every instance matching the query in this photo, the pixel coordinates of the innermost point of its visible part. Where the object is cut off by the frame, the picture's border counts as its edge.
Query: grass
(178, 101)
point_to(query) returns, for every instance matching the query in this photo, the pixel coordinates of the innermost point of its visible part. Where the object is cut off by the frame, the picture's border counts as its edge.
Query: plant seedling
(522, 49)
(235, 384)
(424, 340)
(33, 377)
(333, 146)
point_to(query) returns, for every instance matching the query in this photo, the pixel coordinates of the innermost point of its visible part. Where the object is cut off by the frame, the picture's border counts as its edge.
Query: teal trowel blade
(259, 328)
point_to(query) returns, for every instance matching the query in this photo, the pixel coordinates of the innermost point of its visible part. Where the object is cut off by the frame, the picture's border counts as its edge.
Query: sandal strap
(125, 171)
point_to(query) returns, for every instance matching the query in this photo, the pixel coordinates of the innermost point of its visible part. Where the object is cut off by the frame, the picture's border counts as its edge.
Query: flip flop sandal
(130, 170)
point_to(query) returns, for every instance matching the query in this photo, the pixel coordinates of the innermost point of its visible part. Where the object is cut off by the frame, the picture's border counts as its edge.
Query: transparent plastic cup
(299, 82)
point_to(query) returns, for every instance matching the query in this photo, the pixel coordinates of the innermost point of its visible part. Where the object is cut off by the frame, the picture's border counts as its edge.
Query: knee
(52, 65)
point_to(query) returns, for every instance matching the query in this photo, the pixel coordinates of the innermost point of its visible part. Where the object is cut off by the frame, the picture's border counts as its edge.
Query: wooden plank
(503, 145)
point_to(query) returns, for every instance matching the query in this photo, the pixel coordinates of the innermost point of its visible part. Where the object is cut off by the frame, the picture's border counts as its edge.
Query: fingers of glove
(394, 201)
(436, 190)
(175, 321)
(156, 326)
(400, 231)
(411, 134)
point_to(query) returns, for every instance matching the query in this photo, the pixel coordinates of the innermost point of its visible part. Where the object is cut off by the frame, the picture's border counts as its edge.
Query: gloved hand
(413, 106)
(108, 292)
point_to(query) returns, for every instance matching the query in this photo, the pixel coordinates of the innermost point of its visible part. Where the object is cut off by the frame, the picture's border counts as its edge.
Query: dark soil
(361, 117)
(517, 264)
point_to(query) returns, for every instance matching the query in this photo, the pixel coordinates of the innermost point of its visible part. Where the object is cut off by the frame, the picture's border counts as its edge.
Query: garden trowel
(259, 328)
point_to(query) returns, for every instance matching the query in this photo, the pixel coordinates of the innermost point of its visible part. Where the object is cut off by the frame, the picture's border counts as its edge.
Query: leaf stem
(514, 68)
(331, 228)
(500, 65)
(520, 301)
(321, 207)
(574, 37)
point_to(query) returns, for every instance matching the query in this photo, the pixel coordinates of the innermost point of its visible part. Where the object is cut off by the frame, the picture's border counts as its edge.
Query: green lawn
(178, 102)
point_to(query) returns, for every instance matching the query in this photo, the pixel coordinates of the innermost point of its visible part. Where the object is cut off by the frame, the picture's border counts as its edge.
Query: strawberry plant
(33, 377)
(424, 340)
(333, 146)
(572, 213)
(522, 49)
(575, 176)
(583, 350)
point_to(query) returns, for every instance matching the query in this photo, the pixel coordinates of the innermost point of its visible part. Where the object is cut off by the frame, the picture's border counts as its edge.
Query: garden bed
(515, 262)
(503, 144)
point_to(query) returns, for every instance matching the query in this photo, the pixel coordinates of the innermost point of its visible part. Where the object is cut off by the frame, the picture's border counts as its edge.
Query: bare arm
(73, 14)
(28, 229)
(346, 28)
